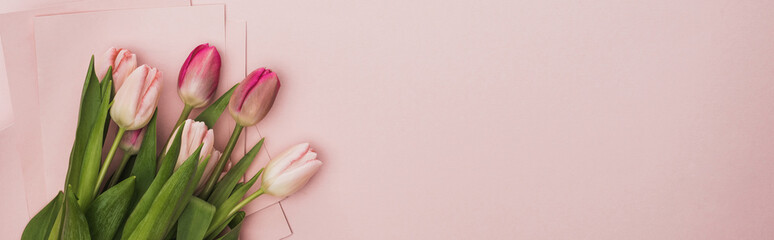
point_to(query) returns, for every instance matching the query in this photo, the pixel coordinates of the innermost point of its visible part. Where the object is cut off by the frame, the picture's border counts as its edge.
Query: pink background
(521, 119)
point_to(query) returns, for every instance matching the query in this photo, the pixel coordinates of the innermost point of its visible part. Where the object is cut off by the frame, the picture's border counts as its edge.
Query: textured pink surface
(523, 119)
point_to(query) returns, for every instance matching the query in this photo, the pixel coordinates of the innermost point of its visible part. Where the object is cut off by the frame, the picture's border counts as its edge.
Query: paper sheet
(269, 223)
(14, 207)
(6, 108)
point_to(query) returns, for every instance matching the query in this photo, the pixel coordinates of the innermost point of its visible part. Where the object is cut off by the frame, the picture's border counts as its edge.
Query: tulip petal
(209, 168)
(123, 67)
(308, 156)
(199, 76)
(106, 61)
(254, 97)
(291, 181)
(249, 85)
(126, 100)
(149, 98)
(187, 63)
(280, 163)
(208, 142)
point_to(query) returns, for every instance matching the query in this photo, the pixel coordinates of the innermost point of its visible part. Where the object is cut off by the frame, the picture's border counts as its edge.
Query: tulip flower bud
(194, 134)
(288, 172)
(208, 169)
(199, 76)
(225, 170)
(131, 141)
(135, 102)
(123, 62)
(254, 97)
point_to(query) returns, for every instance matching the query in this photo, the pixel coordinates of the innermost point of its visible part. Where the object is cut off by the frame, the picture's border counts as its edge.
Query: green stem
(221, 162)
(239, 206)
(117, 173)
(244, 202)
(183, 116)
(106, 164)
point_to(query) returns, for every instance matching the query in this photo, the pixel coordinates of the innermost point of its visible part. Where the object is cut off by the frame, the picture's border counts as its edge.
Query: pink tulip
(254, 97)
(131, 141)
(195, 134)
(199, 76)
(123, 62)
(136, 100)
(209, 167)
(225, 170)
(291, 170)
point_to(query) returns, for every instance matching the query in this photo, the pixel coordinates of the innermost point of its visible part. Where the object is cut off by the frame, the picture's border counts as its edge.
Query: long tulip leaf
(236, 226)
(108, 210)
(89, 109)
(211, 114)
(144, 167)
(153, 226)
(93, 155)
(74, 224)
(188, 195)
(195, 220)
(108, 76)
(147, 199)
(226, 185)
(40, 225)
(106, 86)
(222, 210)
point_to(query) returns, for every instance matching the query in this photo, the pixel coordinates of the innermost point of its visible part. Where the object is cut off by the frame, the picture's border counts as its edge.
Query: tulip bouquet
(184, 191)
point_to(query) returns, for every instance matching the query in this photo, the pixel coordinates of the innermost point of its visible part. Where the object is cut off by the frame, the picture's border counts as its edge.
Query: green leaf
(108, 77)
(165, 171)
(210, 115)
(195, 220)
(221, 214)
(154, 224)
(236, 219)
(193, 183)
(74, 225)
(40, 225)
(127, 172)
(89, 109)
(106, 87)
(93, 155)
(56, 230)
(144, 167)
(236, 225)
(108, 210)
(239, 184)
(226, 185)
